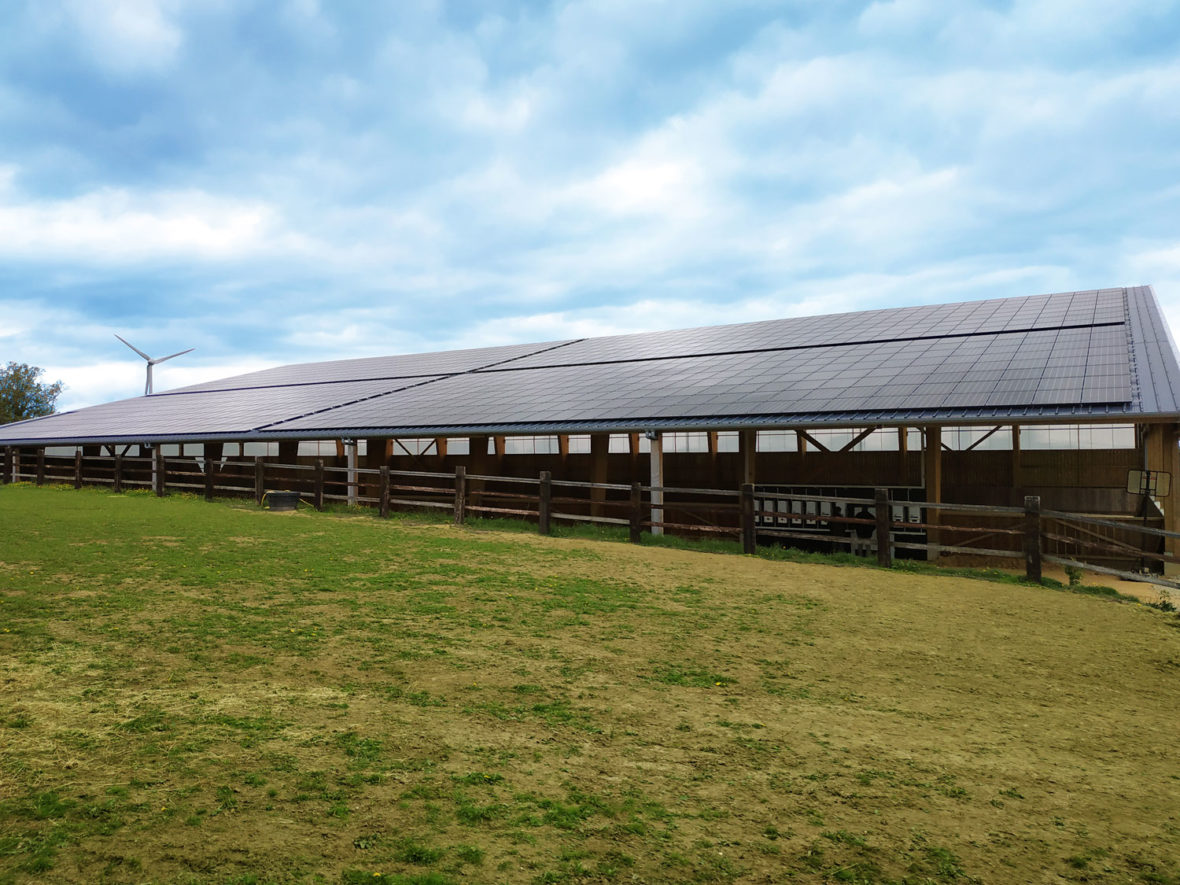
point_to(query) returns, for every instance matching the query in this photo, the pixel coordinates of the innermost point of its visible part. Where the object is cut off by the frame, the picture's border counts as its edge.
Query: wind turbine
(151, 362)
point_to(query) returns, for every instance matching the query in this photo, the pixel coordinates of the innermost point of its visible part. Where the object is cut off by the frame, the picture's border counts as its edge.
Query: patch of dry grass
(206, 693)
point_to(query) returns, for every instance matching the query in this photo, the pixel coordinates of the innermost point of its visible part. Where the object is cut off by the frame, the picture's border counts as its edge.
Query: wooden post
(479, 462)
(6, 478)
(16, 465)
(210, 467)
(78, 468)
(259, 479)
(657, 484)
(636, 528)
(1162, 453)
(749, 537)
(350, 449)
(748, 441)
(884, 535)
(460, 495)
(118, 484)
(932, 469)
(384, 507)
(903, 452)
(544, 502)
(161, 470)
(317, 499)
(599, 455)
(1032, 538)
(40, 465)
(1017, 471)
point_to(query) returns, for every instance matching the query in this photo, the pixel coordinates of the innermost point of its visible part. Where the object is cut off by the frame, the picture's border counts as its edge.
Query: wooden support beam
(288, 451)
(884, 513)
(860, 437)
(159, 471)
(6, 472)
(657, 483)
(460, 494)
(40, 465)
(383, 492)
(500, 446)
(78, 468)
(1032, 538)
(440, 446)
(712, 437)
(807, 437)
(544, 502)
(983, 438)
(932, 470)
(749, 534)
(563, 445)
(1017, 471)
(635, 529)
(478, 464)
(351, 493)
(1162, 453)
(748, 445)
(903, 453)
(599, 464)
(259, 479)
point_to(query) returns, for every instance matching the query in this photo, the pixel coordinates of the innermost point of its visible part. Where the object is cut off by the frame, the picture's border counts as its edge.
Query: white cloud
(127, 36)
(114, 225)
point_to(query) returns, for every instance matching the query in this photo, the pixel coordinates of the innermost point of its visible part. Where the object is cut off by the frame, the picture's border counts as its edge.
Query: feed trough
(281, 500)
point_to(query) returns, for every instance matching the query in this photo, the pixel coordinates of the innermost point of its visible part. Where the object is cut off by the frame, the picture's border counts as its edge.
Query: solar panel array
(1104, 352)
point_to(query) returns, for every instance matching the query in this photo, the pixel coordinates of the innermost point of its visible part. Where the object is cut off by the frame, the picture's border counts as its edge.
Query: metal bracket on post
(1032, 538)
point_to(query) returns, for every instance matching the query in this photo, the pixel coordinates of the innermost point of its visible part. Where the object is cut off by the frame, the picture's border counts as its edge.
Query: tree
(23, 396)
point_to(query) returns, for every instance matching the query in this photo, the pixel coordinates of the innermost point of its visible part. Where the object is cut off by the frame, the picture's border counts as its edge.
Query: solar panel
(1059, 354)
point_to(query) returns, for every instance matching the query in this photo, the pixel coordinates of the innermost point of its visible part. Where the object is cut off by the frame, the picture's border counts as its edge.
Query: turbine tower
(151, 362)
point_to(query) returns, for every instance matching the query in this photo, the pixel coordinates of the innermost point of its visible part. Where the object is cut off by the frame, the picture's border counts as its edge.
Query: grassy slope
(206, 693)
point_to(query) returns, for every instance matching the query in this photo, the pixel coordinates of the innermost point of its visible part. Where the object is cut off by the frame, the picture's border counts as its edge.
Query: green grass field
(209, 693)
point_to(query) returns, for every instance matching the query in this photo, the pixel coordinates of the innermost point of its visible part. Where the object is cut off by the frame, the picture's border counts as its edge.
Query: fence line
(1037, 535)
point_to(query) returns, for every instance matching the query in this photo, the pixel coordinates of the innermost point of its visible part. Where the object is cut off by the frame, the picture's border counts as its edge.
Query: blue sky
(292, 180)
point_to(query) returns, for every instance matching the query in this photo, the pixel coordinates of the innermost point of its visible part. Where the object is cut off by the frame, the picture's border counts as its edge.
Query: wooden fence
(1123, 547)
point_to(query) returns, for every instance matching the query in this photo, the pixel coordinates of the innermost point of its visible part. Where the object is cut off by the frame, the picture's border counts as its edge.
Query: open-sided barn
(1062, 396)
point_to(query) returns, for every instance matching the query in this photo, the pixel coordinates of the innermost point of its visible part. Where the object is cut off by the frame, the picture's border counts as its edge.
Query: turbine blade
(182, 353)
(133, 347)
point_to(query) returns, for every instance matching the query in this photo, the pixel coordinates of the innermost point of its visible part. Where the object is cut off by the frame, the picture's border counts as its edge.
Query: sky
(279, 181)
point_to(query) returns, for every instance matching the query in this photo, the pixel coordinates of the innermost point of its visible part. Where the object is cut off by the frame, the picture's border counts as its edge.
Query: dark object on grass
(281, 500)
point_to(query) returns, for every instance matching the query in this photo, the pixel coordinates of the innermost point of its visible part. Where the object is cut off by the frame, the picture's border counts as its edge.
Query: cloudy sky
(276, 181)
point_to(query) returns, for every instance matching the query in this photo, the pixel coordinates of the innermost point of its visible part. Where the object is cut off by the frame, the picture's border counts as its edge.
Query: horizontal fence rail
(869, 526)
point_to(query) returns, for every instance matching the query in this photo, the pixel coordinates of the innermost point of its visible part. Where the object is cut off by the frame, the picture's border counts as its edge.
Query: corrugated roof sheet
(1093, 355)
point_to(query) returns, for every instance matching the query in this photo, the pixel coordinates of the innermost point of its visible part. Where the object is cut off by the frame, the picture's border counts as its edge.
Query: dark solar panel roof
(1072, 356)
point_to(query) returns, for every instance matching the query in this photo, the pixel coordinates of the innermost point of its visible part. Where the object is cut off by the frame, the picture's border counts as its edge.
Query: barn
(1073, 397)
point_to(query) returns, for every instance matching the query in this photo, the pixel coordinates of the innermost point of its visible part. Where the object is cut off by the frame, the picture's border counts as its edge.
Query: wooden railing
(859, 524)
